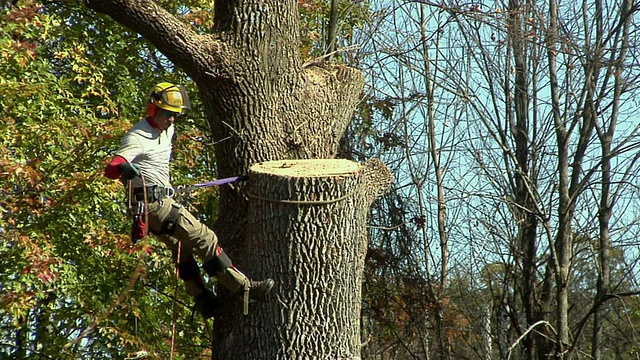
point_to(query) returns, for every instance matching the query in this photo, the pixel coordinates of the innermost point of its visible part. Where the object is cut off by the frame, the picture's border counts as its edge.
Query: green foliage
(72, 285)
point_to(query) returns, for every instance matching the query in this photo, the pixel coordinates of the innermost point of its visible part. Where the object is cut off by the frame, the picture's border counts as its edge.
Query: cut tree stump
(307, 225)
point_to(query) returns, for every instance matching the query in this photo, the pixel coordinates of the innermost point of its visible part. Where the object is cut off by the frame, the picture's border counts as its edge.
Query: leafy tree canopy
(72, 282)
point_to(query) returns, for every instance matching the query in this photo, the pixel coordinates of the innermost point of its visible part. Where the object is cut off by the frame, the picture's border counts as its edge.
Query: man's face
(164, 118)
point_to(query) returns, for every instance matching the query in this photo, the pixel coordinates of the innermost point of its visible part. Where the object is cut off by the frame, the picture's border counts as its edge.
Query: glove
(128, 171)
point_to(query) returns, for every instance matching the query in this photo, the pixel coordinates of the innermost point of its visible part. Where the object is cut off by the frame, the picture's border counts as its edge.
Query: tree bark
(333, 29)
(563, 243)
(261, 105)
(308, 229)
(524, 179)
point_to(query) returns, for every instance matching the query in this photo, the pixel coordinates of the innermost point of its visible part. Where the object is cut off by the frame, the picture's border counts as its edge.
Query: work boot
(254, 291)
(233, 280)
(259, 289)
(221, 267)
(206, 303)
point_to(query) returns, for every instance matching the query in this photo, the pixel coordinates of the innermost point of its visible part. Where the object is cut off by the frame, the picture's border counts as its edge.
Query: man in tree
(142, 162)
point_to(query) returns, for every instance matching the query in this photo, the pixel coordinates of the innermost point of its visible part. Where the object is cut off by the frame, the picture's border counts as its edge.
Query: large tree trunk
(305, 120)
(308, 230)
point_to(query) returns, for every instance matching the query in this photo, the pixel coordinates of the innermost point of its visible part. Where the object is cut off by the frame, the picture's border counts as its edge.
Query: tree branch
(175, 39)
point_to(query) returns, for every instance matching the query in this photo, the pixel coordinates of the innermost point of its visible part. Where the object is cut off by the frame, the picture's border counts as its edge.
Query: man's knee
(218, 264)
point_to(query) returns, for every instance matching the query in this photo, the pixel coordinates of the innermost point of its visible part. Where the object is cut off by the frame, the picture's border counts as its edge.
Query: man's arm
(120, 167)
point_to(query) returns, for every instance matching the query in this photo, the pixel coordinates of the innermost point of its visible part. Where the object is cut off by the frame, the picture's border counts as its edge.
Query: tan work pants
(194, 237)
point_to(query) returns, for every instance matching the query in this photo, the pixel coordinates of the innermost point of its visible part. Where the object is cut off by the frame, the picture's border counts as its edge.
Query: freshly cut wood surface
(307, 167)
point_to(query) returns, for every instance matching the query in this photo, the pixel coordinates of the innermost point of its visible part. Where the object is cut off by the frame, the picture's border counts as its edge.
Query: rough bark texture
(261, 105)
(305, 122)
(308, 223)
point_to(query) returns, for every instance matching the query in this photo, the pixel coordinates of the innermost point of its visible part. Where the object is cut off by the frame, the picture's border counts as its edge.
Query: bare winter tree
(405, 100)
(539, 98)
(559, 88)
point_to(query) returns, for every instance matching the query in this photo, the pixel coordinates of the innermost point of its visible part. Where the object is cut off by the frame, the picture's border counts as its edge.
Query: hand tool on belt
(139, 200)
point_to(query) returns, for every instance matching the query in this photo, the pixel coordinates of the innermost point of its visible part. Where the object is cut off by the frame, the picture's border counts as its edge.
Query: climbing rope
(175, 297)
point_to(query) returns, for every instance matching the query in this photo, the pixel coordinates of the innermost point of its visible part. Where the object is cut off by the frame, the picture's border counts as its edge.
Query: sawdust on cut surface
(307, 168)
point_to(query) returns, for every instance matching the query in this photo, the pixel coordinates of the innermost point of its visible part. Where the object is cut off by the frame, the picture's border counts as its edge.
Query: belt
(154, 193)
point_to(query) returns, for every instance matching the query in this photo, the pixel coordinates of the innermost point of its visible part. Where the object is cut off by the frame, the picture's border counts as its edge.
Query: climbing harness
(139, 199)
(152, 193)
(169, 225)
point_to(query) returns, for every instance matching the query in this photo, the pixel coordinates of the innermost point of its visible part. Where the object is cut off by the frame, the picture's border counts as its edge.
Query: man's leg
(205, 300)
(188, 270)
(203, 242)
(230, 277)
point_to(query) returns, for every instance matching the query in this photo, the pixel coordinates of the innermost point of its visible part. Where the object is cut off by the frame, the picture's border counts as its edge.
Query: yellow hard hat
(170, 97)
